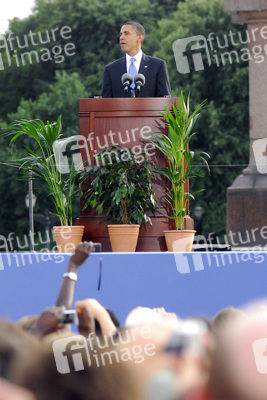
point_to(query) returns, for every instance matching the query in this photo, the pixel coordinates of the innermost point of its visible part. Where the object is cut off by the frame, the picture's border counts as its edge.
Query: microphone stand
(126, 91)
(138, 90)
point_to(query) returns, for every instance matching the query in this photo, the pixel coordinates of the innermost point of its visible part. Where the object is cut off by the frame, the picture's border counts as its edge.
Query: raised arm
(65, 296)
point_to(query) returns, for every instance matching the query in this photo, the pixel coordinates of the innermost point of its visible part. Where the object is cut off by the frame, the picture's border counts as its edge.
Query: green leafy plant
(181, 163)
(120, 186)
(41, 160)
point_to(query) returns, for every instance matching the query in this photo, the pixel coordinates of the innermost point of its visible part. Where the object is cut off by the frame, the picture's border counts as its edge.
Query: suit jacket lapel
(122, 66)
(144, 66)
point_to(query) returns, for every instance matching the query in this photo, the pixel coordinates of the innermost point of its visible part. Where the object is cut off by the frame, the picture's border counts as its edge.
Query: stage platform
(189, 284)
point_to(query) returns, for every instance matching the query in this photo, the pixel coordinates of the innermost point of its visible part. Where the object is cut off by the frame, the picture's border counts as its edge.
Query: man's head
(239, 361)
(132, 35)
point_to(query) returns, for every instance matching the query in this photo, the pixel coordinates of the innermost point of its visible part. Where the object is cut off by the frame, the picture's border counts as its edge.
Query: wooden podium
(126, 122)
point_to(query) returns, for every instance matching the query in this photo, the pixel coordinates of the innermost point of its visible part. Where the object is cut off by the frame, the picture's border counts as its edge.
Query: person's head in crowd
(178, 359)
(27, 322)
(145, 315)
(9, 391)
(256, 307)
(14, 344)
(73, 371)
(142, 315)
(239, 363)
(225, 318)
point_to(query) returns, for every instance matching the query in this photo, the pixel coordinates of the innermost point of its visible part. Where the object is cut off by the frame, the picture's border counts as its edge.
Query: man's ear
(141, 38)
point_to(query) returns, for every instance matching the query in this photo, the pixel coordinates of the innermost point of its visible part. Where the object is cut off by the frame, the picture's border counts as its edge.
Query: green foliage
(45, 90)
(41, 161)
(95, 26)
(223, 130)
(64, 95)
(120, 187)
(180, 161)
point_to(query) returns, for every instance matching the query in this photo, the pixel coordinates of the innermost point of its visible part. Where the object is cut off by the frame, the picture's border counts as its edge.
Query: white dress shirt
(138, 59)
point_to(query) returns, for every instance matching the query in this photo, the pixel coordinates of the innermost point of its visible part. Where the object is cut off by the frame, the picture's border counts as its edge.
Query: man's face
(130, 41)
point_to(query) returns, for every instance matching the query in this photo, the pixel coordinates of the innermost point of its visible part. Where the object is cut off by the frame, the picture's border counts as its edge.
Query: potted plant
(119, 188)
(180, 166)
(46, 170)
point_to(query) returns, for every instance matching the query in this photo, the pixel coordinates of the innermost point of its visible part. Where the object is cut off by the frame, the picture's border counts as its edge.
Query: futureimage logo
(77, 352)
(187, 263)
(15, 249)
(197, 52)
(13, 47)
(12, 242)
(260, 355)
(18, 260)
(196, 261)
(68, 151)
(71, 354)
(180, 47)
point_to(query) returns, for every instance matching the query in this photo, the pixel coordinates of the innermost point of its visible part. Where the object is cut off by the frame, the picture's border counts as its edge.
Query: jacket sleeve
(106, 84)
(163, 81)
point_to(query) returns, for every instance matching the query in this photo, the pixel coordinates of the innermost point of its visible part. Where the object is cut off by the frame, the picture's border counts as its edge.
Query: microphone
(126, 80)
(139, 81)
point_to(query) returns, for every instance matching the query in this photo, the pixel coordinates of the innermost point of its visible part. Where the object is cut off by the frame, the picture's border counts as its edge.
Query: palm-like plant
(41, 160)
(180, 161)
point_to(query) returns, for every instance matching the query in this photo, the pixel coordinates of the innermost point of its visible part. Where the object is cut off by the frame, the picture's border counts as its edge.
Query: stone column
(247, 197)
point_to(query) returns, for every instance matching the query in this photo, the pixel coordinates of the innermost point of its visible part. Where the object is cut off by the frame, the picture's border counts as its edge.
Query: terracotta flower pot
(179, 240)
(123, 238)
(68, 237)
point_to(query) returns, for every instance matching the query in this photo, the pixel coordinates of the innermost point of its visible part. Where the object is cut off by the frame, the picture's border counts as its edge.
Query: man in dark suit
(154, 69)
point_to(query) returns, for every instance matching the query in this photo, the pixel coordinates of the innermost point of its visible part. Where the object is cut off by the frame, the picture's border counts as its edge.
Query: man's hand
(86, 320)
(81, 253)
(48, 321)
(100, 314)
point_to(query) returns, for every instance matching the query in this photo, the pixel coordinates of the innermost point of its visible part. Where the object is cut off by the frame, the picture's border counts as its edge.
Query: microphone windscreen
(140, 78)
(126, 77)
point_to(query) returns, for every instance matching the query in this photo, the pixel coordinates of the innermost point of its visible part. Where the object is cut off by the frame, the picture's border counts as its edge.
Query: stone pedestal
(247, 197)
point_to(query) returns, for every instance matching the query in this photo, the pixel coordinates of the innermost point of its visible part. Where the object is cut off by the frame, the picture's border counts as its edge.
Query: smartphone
(97, 248)
(70, 317)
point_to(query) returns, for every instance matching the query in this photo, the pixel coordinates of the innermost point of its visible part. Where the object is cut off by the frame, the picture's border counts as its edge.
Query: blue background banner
(189, 284)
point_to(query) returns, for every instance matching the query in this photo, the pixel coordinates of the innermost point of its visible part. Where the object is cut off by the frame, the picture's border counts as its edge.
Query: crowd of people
(152, 355)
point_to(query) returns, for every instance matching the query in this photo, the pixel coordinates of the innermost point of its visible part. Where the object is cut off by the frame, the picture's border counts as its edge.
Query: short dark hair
(140, 30)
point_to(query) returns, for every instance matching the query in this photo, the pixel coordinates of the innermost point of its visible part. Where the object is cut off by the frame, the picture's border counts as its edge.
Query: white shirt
(138, 59)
